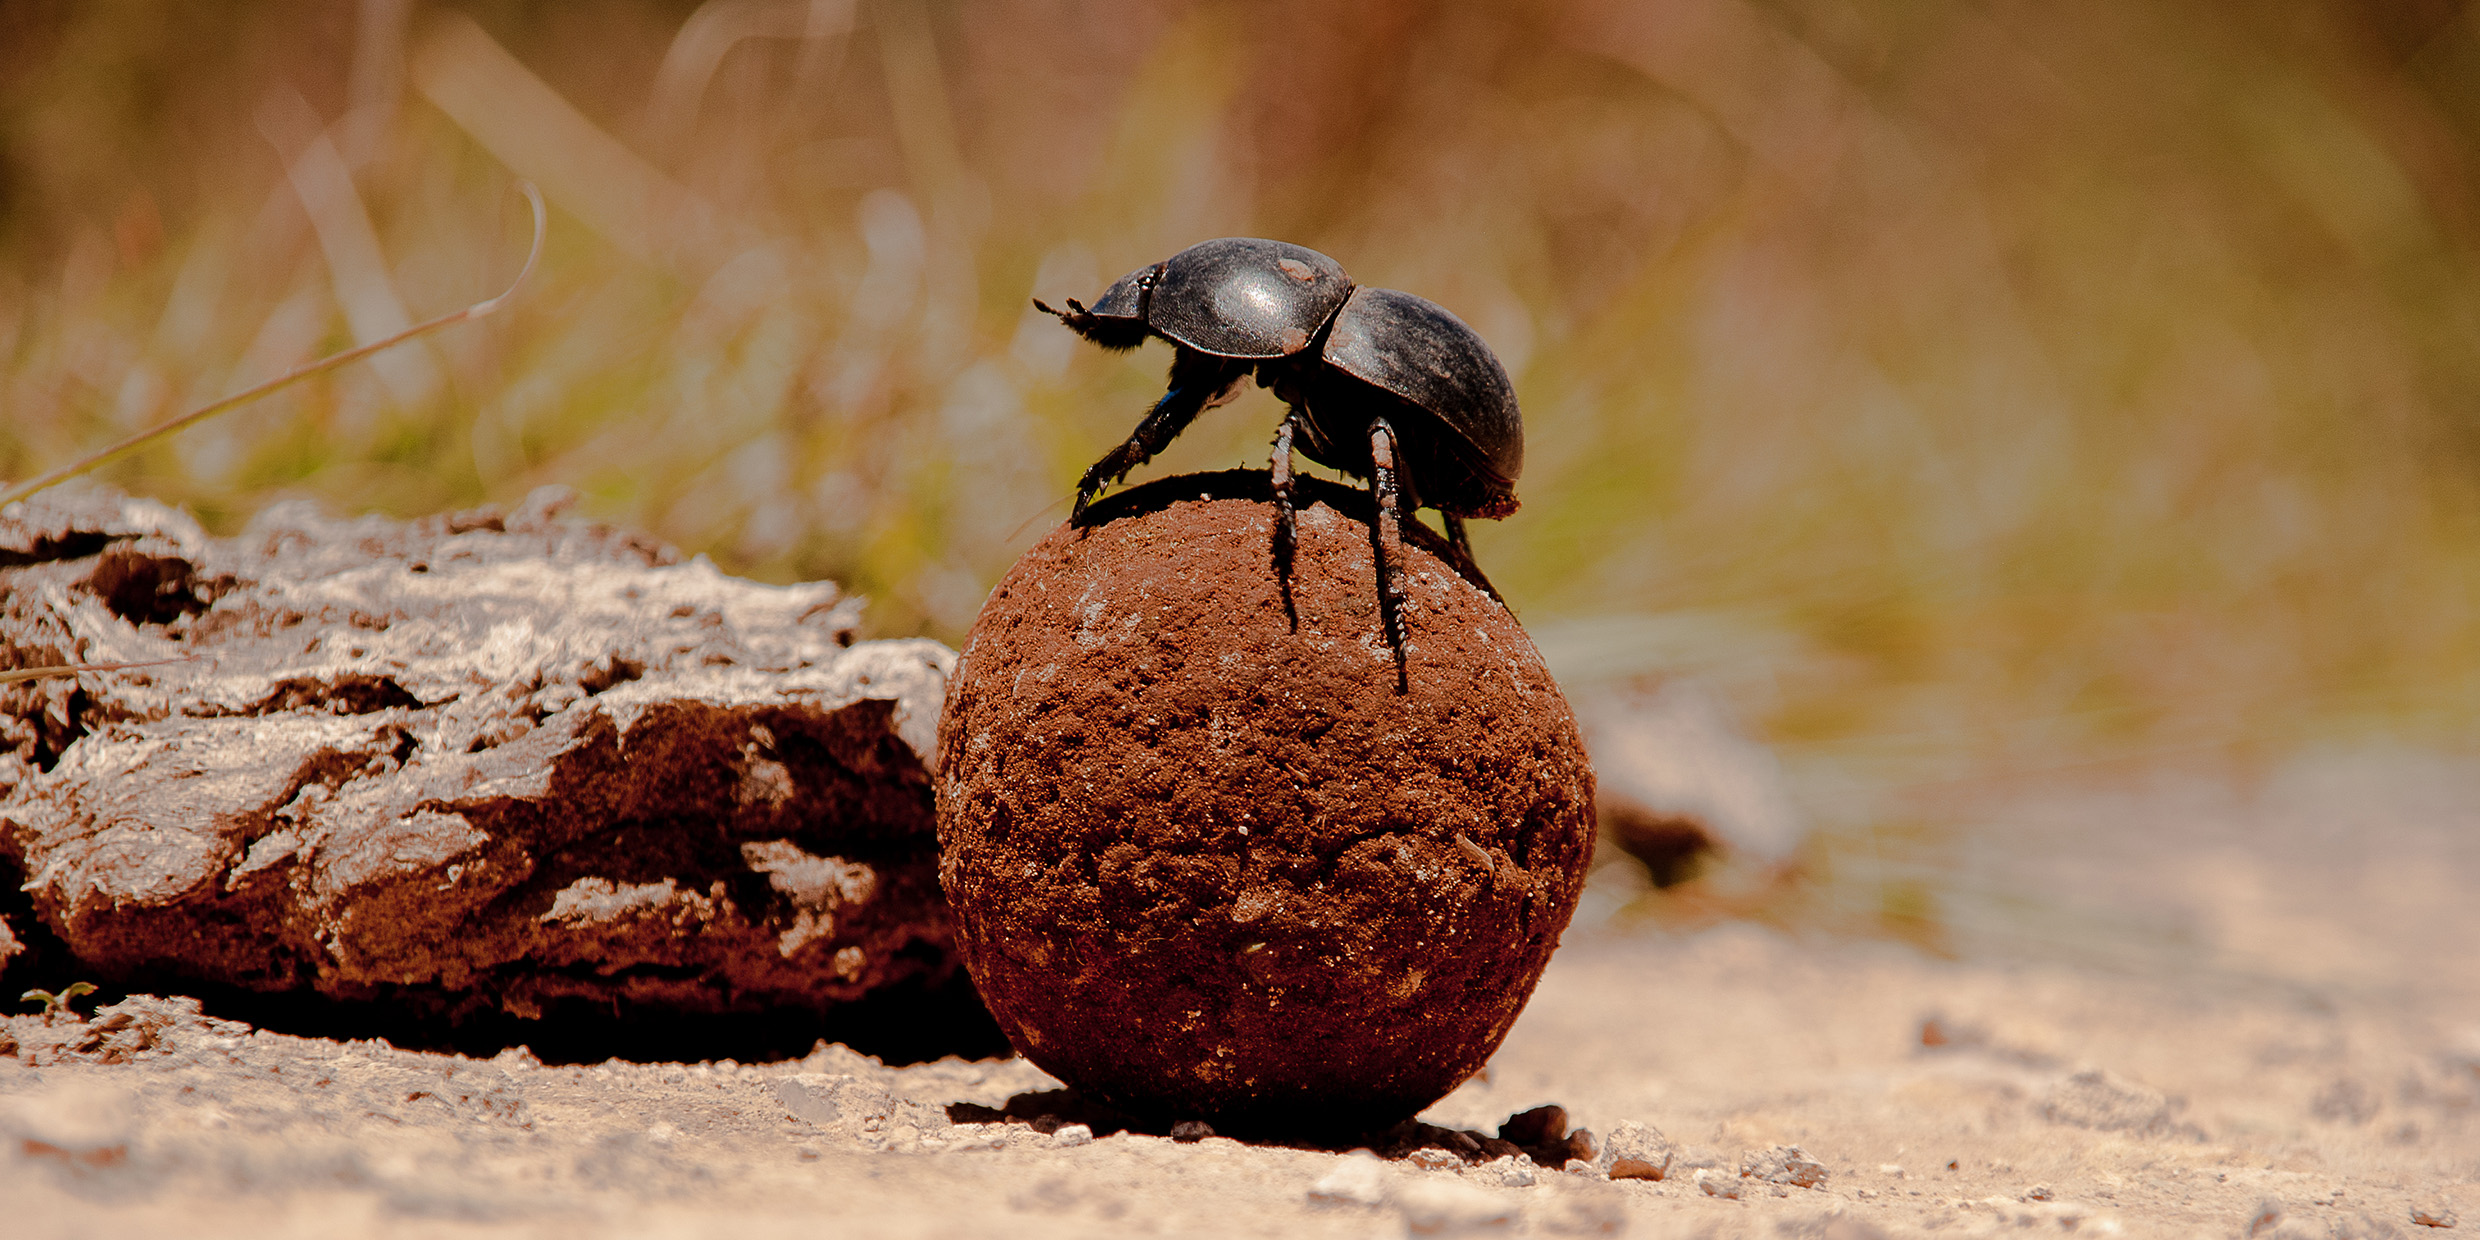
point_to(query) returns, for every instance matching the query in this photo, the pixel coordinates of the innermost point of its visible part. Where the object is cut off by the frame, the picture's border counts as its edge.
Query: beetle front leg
(1286, 522)
(1197, 381)
(1385, 488)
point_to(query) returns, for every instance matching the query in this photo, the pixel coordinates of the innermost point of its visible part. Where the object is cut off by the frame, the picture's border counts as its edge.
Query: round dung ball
(1206, 861)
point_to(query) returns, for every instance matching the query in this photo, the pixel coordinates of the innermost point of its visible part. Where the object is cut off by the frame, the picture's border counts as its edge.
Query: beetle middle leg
(1386, 489)
(1286, 521)
(1197, 383)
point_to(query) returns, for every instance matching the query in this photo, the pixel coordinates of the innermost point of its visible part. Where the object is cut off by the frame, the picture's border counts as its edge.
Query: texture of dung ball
(1207, 864)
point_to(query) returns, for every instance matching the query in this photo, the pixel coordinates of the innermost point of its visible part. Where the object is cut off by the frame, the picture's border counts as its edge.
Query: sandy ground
(2172, 1003)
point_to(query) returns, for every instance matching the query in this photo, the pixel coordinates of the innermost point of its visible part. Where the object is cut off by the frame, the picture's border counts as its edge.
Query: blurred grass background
(1960, 387)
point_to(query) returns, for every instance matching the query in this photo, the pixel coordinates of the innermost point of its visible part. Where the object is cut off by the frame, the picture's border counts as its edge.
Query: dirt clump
(1209, 863)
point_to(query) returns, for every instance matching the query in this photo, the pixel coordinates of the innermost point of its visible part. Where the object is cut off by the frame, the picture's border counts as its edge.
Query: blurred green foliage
(1967, 383)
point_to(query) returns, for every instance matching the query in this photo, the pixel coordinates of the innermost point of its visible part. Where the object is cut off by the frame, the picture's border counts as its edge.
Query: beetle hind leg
(1470, 567)
(1386, 489)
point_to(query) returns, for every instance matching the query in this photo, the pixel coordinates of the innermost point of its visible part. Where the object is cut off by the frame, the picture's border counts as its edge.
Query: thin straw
(142, 438)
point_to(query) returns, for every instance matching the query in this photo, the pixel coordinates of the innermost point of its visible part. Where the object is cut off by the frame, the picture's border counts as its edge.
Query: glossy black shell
(1413, 348)
(1235, 297)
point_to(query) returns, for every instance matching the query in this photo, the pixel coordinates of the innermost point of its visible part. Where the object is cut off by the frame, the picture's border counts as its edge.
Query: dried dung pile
(488, 761)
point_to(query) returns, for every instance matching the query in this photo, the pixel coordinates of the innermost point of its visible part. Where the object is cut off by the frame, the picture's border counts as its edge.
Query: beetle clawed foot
(1090, 487)
(1087, 492)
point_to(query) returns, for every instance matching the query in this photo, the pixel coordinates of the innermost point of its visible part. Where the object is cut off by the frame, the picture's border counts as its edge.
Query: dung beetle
(1379, 384)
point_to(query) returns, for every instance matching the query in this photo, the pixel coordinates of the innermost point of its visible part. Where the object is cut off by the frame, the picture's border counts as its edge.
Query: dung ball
(1206, 861)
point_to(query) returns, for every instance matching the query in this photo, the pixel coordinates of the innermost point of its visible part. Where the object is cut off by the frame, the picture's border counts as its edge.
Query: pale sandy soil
(2272, 975)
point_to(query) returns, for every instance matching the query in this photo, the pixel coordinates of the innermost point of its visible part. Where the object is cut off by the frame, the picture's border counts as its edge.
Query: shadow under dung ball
(1207, 865)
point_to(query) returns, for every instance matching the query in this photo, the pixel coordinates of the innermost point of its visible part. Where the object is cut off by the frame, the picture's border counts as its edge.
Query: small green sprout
(54, 1004)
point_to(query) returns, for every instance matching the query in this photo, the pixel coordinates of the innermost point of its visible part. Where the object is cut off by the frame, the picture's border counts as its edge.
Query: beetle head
(1117, 321)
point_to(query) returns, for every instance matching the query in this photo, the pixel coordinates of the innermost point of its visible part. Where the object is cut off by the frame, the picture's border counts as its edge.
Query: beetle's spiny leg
(1385, 489)
(1463, 550)
(1195, 380)
(1286, 524)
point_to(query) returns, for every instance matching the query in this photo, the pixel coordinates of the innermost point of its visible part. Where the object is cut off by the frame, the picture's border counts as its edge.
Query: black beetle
(1381, 385)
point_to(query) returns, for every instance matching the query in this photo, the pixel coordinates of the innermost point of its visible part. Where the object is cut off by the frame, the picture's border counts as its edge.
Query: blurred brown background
(1960, 388)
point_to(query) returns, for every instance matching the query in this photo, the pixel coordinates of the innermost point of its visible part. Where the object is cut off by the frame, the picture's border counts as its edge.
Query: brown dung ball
(1207, 864)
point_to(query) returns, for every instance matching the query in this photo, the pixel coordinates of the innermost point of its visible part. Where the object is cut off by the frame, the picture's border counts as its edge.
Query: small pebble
(1072, 1134)
(1511, 1172)
(2433, 1216)
(1636, 1151)
(1433, 1159)
(1539, 1126)
(1189, 1131)
(1716, 1184)
(2038, 1192)
(1784, 1164)
(1357, 1179)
